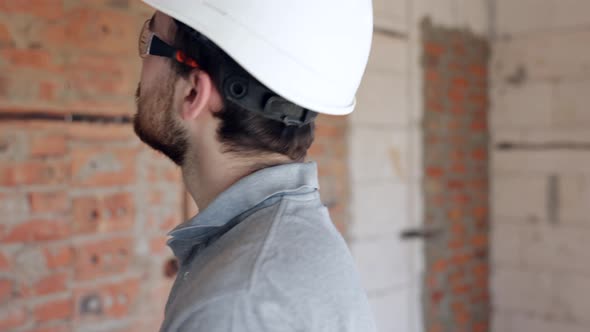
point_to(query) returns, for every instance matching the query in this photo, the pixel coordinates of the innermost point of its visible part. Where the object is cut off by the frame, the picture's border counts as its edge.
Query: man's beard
(154, 123)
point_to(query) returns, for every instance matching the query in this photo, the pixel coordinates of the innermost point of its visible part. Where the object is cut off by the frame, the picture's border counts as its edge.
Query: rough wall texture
(84, 207)
(541, 166)
(455, 179)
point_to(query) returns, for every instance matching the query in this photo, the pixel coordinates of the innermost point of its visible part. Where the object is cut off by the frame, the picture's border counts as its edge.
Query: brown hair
(240, 131)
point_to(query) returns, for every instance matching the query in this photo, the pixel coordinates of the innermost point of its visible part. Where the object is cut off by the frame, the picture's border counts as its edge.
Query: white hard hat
(310, 52)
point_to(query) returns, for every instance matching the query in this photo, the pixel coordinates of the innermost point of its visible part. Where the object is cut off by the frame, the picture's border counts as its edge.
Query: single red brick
(58, 257)
(460, 259)
(101, 258)
(5, 35)
(458, 68)
(12, 317)
(434, 172)
(103, 167)
(457, 277)
(43, 202)
(29, 58)
(436, 328)
(458, 228)
(54, 310)
(94, 30)
(480, 212)
(434, 106)
(116, 300)
(6, 290)
(439, 266)
(459, 168)
(481, 100)
(481, 327)
(37, 9)
(432, 75)
(436, 297)
(158, 245)
(455, 184)
(47, 90)
(456, 244)
(481, 269)
(53, 144)
(455, 215)
(52, 284)
(479, 126)
(458, 307)
(115, 212)
(458, 110)
(330, 131)
(434, 49)
(481, 281)
(459, 50)
(38, 230)
(461, 199)
(460, 82)
(480, 154)
(461, 289)
(480, 240)
(36, 172)
(462, 319)
(478, 70)
(457, 95)
(4, 262)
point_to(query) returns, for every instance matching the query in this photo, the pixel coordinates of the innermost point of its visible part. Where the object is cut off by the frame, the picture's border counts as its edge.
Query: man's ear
(196, 94)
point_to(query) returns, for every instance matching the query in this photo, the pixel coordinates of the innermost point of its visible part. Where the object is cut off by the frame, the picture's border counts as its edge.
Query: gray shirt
(265, 256)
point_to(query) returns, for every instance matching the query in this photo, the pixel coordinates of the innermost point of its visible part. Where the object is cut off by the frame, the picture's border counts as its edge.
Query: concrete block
(501, 322)
(378, 154)
(388, 54)
(527, 106)
(550, 161)
(526, 323)
(379, 208)
(521, 197)
(391, 310)
(549, 56)
(526, 291)
(505, 245)
(555, 134)
(514, 17)
(570, 109)
(574, 199)
(441, 12)
(560, 247)
(382, 100)
(473, 15)
(383, 262)
(573, 297)
(391, 14)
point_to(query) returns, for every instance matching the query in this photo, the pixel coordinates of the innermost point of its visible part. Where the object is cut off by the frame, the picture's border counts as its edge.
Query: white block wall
(381, 181)
(541, 94)
(385, 156)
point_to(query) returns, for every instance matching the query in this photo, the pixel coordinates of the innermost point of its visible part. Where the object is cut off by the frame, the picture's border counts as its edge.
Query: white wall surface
(541, 94)
(385, 156)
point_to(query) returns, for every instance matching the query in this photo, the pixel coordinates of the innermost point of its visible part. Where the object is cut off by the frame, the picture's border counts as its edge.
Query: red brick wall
(84, 207)
(456, 296)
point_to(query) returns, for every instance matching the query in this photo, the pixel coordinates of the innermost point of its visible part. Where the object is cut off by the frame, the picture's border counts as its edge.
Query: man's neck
(207, 177)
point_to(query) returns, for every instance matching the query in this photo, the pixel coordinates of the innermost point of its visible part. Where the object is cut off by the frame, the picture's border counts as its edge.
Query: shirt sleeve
(235, 313)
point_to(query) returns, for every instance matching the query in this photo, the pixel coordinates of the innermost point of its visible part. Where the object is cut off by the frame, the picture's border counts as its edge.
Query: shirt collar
(242, 196)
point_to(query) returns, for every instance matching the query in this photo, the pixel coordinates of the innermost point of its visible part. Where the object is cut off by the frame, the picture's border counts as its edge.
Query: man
(229, 91)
